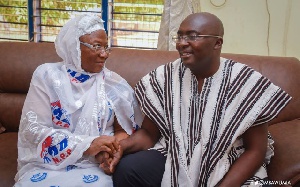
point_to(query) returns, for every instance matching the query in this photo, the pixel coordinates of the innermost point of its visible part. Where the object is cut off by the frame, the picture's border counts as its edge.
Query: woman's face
(92, 60)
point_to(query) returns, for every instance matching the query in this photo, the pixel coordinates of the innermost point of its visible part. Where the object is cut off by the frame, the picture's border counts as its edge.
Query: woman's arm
(255, 141)
(119, 132)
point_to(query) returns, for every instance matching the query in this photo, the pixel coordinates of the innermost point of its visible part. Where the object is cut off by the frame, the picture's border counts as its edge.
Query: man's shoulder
(230, 61)
(175, 63)
(235, 65)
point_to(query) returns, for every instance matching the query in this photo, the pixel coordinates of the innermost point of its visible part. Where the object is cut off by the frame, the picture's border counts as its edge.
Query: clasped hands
(107, 152)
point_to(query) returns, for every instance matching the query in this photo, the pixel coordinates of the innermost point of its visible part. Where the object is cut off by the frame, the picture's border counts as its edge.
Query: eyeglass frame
(102, 49)
(185, 37)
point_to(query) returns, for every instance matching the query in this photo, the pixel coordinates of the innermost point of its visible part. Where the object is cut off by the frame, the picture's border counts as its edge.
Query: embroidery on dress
(55, 147)
(59, 116)
(78, 77)
(90, 178)
(110, 111)
(136, 126)
(38, 177)
(70, 167)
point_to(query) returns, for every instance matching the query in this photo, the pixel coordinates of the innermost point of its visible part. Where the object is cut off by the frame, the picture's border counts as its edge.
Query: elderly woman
(75, 109)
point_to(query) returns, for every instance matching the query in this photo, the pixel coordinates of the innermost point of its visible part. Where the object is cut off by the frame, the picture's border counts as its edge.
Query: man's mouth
(185, 54)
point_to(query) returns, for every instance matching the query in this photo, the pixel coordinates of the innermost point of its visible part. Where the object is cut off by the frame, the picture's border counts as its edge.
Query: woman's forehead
(99, 34)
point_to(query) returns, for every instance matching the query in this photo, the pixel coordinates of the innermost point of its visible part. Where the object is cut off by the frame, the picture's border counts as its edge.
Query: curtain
(174, 12)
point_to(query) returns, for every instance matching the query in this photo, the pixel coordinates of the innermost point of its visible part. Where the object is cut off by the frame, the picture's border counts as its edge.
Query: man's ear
(219, 43)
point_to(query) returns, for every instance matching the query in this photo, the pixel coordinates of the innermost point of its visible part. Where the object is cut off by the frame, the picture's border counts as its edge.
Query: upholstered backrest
(19, 60)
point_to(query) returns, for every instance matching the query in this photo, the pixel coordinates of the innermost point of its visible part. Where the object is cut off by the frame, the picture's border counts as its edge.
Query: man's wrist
(124, 145)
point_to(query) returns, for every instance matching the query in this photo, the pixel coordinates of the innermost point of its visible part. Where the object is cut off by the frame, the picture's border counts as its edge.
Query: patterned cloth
(201, 132)
(65, 109)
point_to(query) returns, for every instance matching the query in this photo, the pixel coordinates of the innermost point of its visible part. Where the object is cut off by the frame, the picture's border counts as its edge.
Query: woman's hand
(104, 160)
(108, 144)
(108, 162)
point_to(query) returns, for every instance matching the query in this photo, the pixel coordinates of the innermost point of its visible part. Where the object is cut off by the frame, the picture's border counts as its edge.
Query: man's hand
(109, 162)
(116, 159)
(104, 160)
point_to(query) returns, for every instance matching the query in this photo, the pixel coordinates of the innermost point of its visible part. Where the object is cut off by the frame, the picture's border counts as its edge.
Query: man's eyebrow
(192, 32)
(189, 32)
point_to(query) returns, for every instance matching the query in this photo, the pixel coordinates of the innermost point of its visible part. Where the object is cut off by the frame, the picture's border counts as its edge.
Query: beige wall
(261, 27)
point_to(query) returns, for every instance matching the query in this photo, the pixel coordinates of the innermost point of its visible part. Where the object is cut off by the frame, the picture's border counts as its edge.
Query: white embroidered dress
(65, 110)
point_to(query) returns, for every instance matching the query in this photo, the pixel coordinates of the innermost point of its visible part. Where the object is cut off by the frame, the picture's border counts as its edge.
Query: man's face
(196, 54)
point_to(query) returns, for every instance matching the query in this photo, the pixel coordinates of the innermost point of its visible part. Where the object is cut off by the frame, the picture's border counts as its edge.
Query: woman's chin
(97, 69)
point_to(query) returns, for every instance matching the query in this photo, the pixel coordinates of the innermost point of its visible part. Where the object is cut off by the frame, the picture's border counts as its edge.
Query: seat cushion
(285, 163)
(8, 158)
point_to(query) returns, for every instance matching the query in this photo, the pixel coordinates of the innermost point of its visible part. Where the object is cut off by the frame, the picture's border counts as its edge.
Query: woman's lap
(66, 178)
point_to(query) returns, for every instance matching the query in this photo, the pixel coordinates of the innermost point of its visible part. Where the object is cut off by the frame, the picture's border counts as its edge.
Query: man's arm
(142, 139)
(255, 142)
(289, 112)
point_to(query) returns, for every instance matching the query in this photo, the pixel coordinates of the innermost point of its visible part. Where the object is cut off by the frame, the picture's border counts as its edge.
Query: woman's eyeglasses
(97, 48)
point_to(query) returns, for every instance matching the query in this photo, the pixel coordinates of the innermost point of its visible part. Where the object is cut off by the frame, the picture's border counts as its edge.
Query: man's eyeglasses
(191, 38)
(97, 48)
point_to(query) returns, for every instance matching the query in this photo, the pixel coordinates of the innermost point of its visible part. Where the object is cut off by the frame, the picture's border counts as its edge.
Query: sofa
(18, 60)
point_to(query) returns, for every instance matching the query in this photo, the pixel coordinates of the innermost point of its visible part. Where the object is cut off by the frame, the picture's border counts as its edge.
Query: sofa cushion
(10, 110)
(8, 157)
(285, 164)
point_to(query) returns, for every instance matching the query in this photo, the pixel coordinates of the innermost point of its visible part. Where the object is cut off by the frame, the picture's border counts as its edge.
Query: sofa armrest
(296, 180)
(285, 165)
(2, 129)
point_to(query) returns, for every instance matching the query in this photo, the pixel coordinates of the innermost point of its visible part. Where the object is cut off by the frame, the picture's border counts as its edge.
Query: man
(207, 115)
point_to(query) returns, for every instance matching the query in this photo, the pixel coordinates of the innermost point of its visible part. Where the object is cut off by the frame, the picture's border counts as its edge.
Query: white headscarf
(67, 41)
(107, 86)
